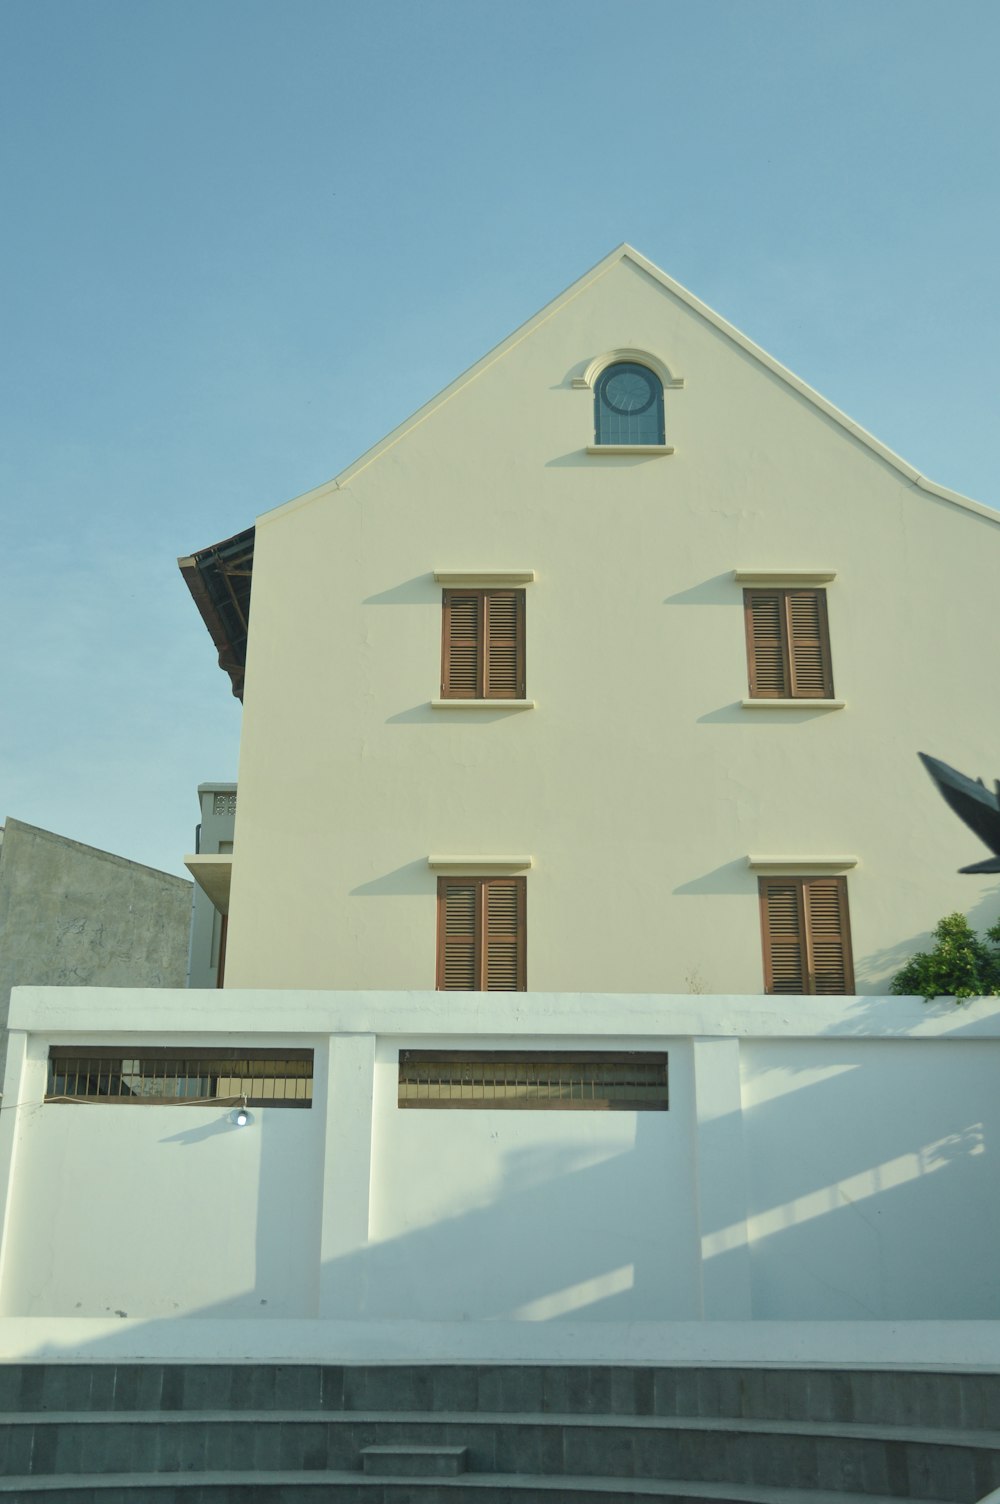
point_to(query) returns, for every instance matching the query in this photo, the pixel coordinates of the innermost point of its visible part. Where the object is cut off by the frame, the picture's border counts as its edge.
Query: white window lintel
(668, 380)
(480, 578)
(483, 864)
(795, 864)
(778, 577)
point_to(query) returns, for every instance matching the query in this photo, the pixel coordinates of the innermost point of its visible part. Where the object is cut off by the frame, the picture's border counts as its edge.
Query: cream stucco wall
(638, 783)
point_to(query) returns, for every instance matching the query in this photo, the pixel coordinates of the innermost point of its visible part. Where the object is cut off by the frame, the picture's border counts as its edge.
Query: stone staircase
(407, 1434)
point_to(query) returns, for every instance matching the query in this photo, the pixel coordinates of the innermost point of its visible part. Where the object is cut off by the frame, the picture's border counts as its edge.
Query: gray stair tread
(934, 1435)
(406, 1449)
(654, 1487)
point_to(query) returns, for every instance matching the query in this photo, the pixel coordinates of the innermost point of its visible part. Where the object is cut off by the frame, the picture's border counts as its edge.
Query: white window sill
(497, 704)
(630, 449)
(802, 704)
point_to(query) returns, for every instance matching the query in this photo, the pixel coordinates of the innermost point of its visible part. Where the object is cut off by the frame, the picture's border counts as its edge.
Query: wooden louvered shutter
(828, 935)
(808, 644)
(461, 645)
(766, 644)
(784, 935)
(788, 644)
(806, 931)
(503, 644)
(504, 934)
(459, 935)
(481, 934)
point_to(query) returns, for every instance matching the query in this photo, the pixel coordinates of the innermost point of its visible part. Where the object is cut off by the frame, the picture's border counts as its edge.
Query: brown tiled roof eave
(220, 578)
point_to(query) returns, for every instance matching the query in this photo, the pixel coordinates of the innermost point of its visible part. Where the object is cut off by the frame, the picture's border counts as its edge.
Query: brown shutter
(503, 639)
(458, 964)
(788, 644)
(481, 934)
(806, 931)
(828, 935)
(462, 635)
(784, 935)
(808, 644)
(503, 940)
(766, 646)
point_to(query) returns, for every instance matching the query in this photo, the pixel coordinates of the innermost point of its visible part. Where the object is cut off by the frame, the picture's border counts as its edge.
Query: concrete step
(905, 1462)
(953, 1434)
(414, 1462)
(356, 1488)
(890, 1397)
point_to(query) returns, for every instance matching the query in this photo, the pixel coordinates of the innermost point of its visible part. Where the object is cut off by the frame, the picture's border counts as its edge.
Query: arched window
(628, 405)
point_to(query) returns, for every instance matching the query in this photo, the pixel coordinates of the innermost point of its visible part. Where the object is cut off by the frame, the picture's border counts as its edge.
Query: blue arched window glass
(629, 405)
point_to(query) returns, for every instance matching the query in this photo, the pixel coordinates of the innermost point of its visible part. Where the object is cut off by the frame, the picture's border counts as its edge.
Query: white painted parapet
(824, 1161)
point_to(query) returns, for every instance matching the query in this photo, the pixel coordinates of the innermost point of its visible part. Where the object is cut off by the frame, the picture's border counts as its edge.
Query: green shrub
(960, 965)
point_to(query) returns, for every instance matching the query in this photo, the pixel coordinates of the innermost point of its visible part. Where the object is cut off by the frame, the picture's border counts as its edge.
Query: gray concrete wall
(71, 915)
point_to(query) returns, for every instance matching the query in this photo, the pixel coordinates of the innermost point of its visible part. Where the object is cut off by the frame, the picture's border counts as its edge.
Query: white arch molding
(600, 363)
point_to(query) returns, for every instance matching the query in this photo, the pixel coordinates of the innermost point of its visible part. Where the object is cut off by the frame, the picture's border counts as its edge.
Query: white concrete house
(600, 682)
(629, 764)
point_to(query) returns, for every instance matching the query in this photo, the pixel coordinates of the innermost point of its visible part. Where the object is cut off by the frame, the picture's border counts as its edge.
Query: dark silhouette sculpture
(972, 802)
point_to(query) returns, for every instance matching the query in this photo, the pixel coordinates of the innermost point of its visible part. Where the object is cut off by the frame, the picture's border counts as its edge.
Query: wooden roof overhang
(220, 578)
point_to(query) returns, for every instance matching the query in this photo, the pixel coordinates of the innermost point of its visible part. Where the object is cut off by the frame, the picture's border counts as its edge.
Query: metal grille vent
(165, 1077)
(500, 1079)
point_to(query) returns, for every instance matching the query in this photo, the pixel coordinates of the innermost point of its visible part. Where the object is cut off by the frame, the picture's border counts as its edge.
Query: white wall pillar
(721, 1181)
(13, 1086)
(346, 1175)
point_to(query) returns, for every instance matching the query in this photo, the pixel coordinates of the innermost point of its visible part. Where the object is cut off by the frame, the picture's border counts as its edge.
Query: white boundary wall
(827, 1162)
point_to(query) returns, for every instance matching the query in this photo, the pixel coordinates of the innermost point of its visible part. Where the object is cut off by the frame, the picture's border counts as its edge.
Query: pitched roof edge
(805, 390)
(446, 393)
(625, 252)
(957, 499)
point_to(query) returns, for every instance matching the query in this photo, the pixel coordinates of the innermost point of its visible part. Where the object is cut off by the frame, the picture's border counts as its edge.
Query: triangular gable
(627, 253)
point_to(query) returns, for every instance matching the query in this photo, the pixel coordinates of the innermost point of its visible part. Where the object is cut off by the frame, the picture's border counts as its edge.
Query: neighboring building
(623, 640)
(71, 915)
(209, 915)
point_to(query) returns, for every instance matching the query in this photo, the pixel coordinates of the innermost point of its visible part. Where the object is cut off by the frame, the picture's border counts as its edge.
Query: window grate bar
(637, 1081)
(176, 1077)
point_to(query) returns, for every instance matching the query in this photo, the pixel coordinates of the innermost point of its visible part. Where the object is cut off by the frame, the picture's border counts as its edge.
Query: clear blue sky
(243, 240)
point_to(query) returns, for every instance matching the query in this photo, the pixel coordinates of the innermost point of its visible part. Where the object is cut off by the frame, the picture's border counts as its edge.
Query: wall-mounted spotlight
(241, 1116)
